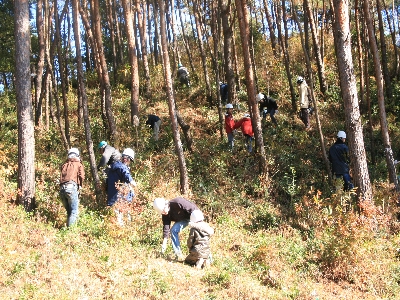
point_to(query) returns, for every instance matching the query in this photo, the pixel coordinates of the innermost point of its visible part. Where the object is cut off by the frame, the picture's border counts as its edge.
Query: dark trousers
(305, 117)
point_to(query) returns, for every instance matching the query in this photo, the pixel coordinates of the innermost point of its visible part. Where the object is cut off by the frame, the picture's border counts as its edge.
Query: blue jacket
(338, 156)
(118, 172)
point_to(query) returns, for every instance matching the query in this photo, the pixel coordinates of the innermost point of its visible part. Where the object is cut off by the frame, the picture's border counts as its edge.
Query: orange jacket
(229, 123)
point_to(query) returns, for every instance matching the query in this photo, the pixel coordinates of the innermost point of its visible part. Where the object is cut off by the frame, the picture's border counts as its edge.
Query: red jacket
(229, 123)
(245, 126)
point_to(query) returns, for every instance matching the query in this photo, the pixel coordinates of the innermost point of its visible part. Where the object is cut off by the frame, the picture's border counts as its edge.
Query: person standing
(154, 122)
(183, 75)
(71, 180)
(177, 210)
(229, 123)
(247, 130)
(109, 155)
(304, 101)
(224, 92)
(339, 158)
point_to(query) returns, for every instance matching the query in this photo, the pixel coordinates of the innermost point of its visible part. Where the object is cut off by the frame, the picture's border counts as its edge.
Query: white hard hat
(259, 97)
(341, 134)
(229, 105)
(130, 153)
(196, 216)
(300, 79)
(159, 204)
(73, 151)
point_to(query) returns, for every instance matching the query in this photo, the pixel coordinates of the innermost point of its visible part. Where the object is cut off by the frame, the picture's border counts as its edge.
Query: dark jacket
(110, 155)
(223, 90)
(338, 156)
(118, 172)
(72, 170)
(151, 120)
(179, 210)
(199, 242)
(269, 103)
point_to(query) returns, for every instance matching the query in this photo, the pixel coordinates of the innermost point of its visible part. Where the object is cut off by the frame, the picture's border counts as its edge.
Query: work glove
(164, 245)
(133, 183)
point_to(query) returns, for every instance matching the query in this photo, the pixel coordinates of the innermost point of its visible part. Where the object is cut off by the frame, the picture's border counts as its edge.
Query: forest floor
(285, 236)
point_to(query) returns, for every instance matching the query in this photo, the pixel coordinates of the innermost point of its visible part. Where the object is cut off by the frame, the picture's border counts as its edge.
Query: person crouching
(199, 241)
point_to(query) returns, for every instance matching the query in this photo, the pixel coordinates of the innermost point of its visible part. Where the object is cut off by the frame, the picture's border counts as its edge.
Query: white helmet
(159, 204)
(130, 153)
(259, 97)
(196, 216)
(73, 151)
(300, 79)
(341, 134)
(229, 105)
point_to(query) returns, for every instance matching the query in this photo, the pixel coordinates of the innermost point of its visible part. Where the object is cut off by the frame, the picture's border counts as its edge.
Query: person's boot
(180, 257)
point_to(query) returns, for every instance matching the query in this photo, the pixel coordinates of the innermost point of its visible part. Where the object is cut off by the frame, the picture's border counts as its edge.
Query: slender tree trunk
(184, 179)
(225, 11)
(348, 86)
(381, 99)
(141, 10)
(310, 75)
(202, 53)
(360, 54)
(318, 56)
(385, 68)
(216, 33)
(104, 72)
(243, 18)
(286, 60)
(111, 22)
(26, 138)
(40, 65)
(270, 27)
(130, 32)
(61, 63)
(82, 92)
(392, 30)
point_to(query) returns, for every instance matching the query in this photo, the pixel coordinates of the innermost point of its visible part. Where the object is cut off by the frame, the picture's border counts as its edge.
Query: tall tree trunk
(392, 30)
(381, 99)
(310, 75)
(40, 65)
(104, 72)
(141, 11)
(130, 32)
(184, 179)
(62, 69)
(243, 18)
(385, 68)
(202, 52)
(225, 11)
(270, 27)
(111, 22)
(348, 86)
(286, 59)
(82, 92)
(26, 138)
(360, 53)
(318, 56)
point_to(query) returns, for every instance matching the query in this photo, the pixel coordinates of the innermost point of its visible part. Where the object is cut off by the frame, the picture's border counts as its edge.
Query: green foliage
(219, 279)
(264, 217)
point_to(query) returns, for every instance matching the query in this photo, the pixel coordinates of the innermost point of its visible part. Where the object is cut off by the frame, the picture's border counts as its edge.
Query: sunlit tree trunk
(381, 99)
(26, 138)
(141, 11)
(360, 53)
(318, 56)
(202, 52)
(243, 19)
(184, 179)
(82, 92)
(225, 11)
(216, 33)
(392, 30)
(130, 32)
(106, 92)
(270, 27)
(111, 22)
(62, 69)
(348, 86)
(40, 64)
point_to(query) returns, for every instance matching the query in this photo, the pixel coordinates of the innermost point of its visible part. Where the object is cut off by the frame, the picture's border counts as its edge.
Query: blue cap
(102, 144)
